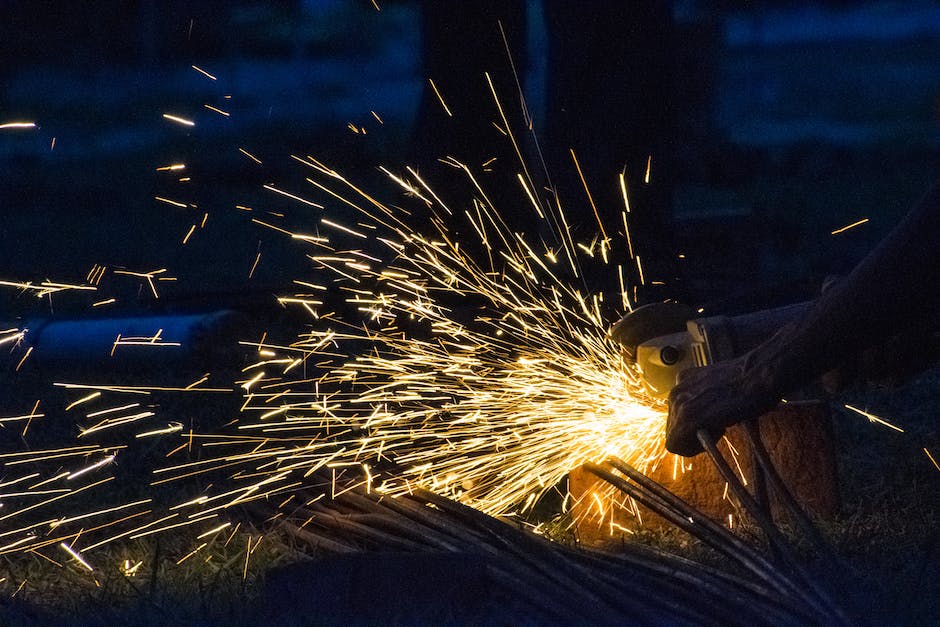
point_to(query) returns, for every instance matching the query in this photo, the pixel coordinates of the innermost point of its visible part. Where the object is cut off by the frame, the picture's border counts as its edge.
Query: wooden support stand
(799, 439)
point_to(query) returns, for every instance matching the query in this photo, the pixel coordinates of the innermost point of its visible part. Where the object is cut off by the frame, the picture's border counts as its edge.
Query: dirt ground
(805, 137)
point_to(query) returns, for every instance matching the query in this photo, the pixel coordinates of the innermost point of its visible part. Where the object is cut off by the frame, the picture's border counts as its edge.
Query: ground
(803, 147)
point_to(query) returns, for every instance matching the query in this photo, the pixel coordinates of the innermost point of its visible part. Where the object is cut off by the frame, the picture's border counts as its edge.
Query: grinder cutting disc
(648, 322)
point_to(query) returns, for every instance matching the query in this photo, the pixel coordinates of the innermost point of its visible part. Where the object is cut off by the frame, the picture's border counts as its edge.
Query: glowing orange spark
(440, 98)
(178, 119)
(175, 203)
(250, 156)
(17, 125)
(293, 196)
(873, 418)
(217, 110)
(934, 461)
(849, 226)
(587, 191)
(203, 72)
(76, 556)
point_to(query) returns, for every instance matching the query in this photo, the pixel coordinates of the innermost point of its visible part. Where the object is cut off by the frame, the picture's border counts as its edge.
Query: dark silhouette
(609, 97)
(894, 289)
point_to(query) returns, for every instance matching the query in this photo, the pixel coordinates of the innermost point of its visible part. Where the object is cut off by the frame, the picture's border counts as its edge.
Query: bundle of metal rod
(812, 588)
(783, 571)
(769, 477)
(555, 583)
(685, 517)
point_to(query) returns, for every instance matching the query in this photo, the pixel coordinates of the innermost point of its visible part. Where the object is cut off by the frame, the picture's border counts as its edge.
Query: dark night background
(770, 123)
(773, 123)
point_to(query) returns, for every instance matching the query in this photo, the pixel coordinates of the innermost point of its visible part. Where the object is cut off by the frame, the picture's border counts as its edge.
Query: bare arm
(895, 287)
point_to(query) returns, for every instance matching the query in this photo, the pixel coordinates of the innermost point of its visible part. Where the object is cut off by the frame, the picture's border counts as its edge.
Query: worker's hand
(712, 398)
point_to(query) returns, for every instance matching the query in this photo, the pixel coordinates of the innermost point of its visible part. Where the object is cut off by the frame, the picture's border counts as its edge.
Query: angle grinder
(663, 339)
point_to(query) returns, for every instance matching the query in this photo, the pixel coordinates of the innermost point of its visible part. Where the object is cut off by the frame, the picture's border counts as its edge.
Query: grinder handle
(728, 337)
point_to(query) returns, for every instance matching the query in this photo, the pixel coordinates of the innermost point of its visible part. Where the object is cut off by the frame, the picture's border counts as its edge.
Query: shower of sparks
(491, 404)
(476, 367)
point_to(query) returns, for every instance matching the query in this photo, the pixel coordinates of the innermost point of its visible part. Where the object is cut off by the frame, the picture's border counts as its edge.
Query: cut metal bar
(752, 432)
(698, 525)
(818, 598)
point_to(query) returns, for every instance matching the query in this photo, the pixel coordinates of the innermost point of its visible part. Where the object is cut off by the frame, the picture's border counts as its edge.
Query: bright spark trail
(479, 370)
(491, 407)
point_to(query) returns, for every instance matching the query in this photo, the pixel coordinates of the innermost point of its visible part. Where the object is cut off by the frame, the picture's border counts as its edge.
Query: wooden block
(797, 436)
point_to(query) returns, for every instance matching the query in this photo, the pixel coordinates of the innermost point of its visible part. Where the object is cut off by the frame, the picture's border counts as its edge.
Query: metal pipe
(815, 595)
(165, 341)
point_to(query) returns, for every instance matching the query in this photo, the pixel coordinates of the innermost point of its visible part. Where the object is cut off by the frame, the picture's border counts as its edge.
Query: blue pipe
(139, 342)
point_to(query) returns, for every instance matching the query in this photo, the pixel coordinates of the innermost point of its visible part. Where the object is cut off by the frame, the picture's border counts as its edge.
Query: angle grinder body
(663, 339)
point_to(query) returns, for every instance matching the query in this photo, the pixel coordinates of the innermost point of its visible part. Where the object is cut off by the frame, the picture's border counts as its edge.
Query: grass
(886, 532)
(888, 527)
(214, 586)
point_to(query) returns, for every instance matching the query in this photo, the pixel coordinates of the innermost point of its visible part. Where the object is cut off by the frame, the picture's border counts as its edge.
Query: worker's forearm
(897, 285)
